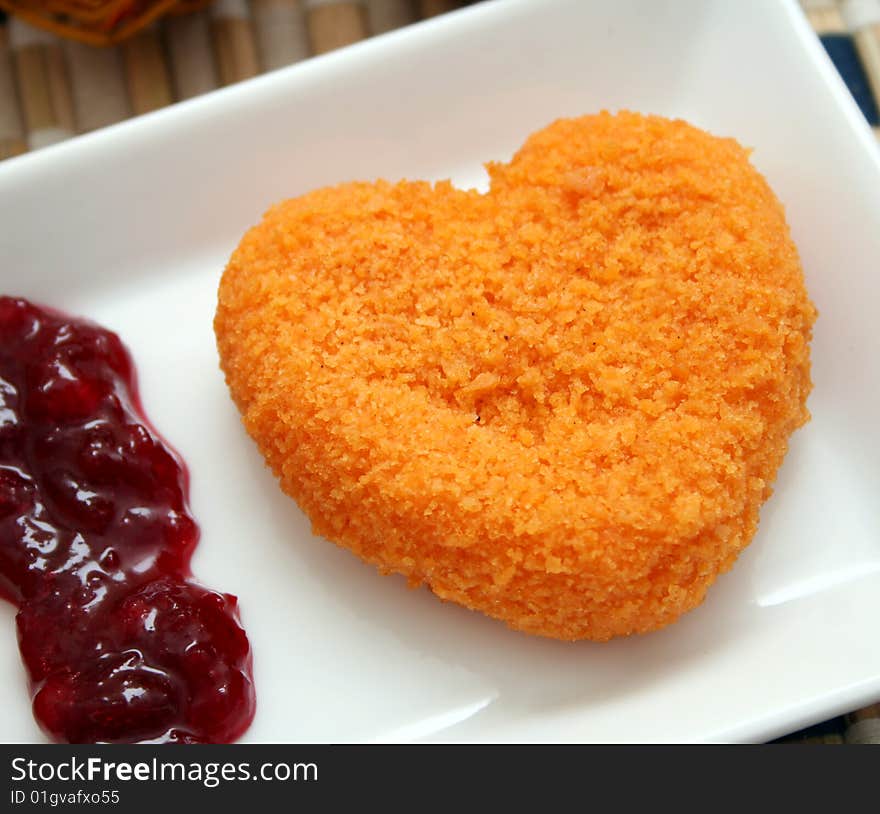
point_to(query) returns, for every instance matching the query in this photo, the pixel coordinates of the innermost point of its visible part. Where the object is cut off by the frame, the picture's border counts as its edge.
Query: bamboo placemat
(51, 90)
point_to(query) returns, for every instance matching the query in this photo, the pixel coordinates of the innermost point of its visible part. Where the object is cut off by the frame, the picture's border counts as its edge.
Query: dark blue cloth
(842, 50)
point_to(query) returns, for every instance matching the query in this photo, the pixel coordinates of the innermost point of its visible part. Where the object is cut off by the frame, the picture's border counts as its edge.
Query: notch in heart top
(561, 402)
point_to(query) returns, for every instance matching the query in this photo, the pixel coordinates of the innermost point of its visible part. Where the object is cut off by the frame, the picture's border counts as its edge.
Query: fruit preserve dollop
(120, 644)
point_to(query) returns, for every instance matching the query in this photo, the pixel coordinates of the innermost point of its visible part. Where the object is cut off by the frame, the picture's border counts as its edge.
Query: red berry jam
(120, 644)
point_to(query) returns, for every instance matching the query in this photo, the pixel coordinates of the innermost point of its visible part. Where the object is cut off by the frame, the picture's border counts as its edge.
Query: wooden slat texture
(432, 8)
(190, 55)
(863, 725)
(235, 47)
(12, 140)
(42, 84)
(146, 73)
(386, 15)
(333, 25)
(825, 16)
(97, 83)
(282, 34)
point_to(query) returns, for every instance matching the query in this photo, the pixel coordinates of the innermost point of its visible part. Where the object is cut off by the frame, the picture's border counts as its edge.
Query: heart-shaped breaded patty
(562, 402)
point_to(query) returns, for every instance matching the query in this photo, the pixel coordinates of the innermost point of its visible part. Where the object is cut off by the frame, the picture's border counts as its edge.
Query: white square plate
(131, 226)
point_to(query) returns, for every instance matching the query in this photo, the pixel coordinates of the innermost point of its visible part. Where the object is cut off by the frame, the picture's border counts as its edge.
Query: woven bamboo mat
(53, 89)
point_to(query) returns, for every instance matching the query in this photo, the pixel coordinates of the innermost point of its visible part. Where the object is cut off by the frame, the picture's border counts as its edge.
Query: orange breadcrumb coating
(561, 403)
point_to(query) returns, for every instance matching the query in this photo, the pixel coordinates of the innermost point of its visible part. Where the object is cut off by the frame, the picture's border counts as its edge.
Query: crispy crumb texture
(562, 402)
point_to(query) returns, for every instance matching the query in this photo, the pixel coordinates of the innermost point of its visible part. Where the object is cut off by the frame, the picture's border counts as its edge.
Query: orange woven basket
(97, 22)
